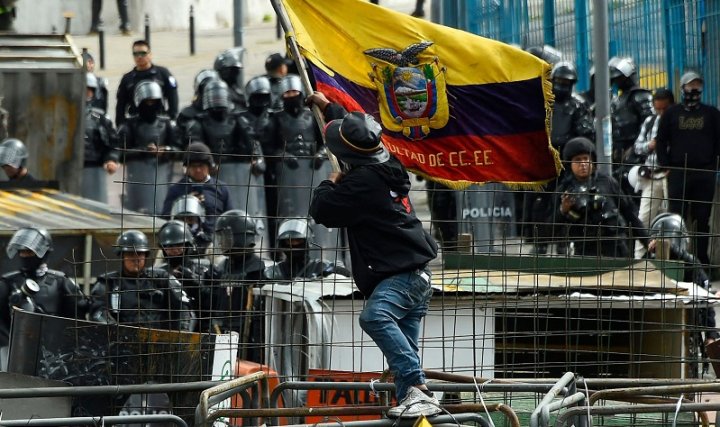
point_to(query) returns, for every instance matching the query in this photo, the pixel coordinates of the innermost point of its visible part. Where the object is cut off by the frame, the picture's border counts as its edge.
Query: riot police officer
(240, 271)
(189, 210)
(294, 236)
(195, 274)
(138, 295)
(13, 159)
(229, 66)
(100, 96)
(570, 119)
(260, 126)
(147, 140)
(629, 109)
(188, 113)
(298, 148)
(547, 53)
(35, 287)
(596, 210)
(101, 155)
(145, 70)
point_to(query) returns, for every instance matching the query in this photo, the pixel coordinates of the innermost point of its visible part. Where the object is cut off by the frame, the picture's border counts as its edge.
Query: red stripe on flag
(339, 96)
(507, 158)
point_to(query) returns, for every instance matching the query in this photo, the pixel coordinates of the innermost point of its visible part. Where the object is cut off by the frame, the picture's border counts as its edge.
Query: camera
(586, 201)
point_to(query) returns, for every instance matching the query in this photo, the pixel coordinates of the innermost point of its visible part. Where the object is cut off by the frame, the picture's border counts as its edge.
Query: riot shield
(94, 183)
(147, 185)
(88, 353)
(248, 193)
(487, 214)
(295, 187)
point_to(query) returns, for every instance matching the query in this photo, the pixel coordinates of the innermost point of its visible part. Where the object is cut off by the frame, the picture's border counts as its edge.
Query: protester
(389, 248)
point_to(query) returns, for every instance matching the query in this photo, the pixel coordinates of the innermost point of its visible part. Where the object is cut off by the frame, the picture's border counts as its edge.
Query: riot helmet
(228, 65)
(203, 78)
(294, 228)
(623, 72)
(563, 76)
(216, 95)
(235, 231)
(13, 153)
(187, 206)
(258, 94)
(147, 90)
(176, 240)
(133, 241)
(547, 53)
(291, 82)
(35, 239)
(670, 226)
(356, 140)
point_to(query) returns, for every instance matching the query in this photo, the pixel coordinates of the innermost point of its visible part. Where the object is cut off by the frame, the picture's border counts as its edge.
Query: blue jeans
(392, 318)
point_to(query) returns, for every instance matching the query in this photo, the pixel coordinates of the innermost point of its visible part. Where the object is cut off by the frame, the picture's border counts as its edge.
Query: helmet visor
(28, 238)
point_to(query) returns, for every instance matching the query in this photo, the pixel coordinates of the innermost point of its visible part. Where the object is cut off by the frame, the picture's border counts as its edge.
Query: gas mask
(293, 104)
(691, 98)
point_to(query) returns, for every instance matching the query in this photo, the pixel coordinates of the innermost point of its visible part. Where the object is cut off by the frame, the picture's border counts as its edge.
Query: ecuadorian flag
(455, 107)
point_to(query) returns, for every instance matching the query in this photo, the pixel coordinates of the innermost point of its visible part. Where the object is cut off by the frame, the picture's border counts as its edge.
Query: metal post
(603, 124)
(278, 29)
(68, 20)
(549, 22)
(192, 31)
(147, 28)
(582, 45)
(101, 47)
(87, 256)
(238, 22)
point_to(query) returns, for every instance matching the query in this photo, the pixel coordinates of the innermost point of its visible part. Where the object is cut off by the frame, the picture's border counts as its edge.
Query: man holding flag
(389, 248)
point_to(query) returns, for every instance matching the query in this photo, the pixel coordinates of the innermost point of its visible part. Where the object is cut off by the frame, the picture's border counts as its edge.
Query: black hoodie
(372, 203)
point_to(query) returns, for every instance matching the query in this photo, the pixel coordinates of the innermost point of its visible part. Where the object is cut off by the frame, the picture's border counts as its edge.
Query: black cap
(274, 61)
(197, 152)
(355, 139)
(87, 56)
(578, 145)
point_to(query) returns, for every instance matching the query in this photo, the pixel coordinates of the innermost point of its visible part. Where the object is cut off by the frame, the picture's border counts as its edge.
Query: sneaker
(416, 403)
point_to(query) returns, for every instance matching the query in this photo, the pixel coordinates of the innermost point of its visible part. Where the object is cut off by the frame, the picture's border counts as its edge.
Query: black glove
(318, 161)
(258, 167)
(291, 161)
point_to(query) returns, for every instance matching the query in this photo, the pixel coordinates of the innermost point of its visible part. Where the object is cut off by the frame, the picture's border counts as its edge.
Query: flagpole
(302, 71)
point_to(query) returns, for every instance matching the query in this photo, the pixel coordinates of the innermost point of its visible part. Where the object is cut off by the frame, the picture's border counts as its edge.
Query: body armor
(99, 137)
(298, 133)
(153, 300)
(137, 134)
(570, 119)
(629, 111)
(225, 137)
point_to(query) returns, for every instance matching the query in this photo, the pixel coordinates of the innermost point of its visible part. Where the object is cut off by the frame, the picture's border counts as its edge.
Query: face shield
(28, 238)
(228, 241)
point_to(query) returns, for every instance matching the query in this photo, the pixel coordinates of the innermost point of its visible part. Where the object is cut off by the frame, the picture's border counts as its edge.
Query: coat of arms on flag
(411, 90)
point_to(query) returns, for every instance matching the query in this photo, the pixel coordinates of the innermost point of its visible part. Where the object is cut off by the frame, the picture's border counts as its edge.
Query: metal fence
(665, 37)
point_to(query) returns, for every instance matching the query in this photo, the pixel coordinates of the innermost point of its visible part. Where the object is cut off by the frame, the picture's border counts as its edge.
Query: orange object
(325, 398)
(245, 367)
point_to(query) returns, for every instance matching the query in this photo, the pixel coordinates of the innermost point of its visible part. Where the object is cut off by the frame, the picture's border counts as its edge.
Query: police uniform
(154, 299)
(159, 74)
(100, 147)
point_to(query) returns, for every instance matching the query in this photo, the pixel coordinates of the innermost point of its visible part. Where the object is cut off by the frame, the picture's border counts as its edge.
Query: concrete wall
(40, 16)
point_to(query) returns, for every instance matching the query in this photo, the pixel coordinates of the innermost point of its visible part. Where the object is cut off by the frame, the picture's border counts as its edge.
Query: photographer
(593, 205)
